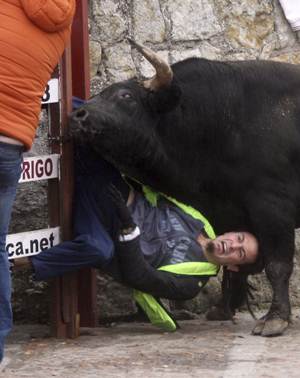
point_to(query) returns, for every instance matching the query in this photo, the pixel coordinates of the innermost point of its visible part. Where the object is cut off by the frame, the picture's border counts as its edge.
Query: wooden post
(65, 316)
(81, 89)
(57, 325)
(69, 281)
(72, 294)
(80, 51)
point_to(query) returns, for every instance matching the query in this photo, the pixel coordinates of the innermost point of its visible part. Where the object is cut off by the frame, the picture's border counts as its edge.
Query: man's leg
(10, 169)
(94, 221)
(70, 256)
(92, 204)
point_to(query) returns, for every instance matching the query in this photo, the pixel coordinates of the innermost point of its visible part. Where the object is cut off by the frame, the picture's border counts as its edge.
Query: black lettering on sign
(32, 168)
(9, 249)
(19, 249)
(46, 95)
(37, 168)
(25, 172)
(43, 244)
(51, 239)
(48, 167)
(34, 245)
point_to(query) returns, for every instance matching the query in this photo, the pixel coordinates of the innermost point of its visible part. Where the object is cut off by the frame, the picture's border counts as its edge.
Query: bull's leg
(277, 319)
(273, 222)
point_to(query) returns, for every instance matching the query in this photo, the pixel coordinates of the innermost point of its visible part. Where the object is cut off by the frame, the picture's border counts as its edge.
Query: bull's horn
(164, 73)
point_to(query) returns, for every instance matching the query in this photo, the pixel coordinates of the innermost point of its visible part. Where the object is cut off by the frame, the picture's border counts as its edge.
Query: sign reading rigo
(31, 243)
(51, 94)
(40, 168)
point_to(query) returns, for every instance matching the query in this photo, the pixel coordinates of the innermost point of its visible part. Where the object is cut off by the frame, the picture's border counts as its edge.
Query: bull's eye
(126, 95)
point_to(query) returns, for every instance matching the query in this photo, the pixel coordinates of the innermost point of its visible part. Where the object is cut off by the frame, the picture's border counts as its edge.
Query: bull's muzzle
(79, 124)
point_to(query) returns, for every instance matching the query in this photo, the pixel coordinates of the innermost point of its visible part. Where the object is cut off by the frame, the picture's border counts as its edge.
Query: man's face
(233, 248)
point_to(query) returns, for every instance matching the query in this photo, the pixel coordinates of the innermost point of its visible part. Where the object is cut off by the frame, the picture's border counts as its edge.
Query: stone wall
(214, 29)
(220, 29)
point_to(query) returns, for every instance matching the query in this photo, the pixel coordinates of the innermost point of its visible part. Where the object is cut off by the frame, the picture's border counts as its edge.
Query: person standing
(33, 36)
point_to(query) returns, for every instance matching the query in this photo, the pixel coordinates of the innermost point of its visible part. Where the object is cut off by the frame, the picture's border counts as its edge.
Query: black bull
(223, 137)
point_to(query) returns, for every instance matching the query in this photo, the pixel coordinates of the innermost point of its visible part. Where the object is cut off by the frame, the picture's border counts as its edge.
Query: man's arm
(136, 270)
(140, 275)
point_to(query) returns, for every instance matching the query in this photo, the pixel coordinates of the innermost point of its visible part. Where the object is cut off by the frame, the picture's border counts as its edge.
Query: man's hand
(127, 224)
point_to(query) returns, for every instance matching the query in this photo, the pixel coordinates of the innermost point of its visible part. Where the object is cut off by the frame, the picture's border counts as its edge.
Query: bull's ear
(165, 99)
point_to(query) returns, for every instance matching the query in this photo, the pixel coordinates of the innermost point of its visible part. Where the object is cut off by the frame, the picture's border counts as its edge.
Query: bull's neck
(161, 174)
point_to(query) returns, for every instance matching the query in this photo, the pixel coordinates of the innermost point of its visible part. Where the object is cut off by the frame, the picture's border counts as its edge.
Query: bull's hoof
(259, 326)
(274, 327)
(217, 313)
(270, 327)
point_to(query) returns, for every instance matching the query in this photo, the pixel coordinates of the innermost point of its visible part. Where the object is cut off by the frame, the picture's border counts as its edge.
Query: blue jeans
(10, 170)
(95, 223)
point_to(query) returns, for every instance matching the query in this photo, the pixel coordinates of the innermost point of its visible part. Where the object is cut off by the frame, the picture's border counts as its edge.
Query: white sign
(31, 243)
(51, 93)
(40, 168)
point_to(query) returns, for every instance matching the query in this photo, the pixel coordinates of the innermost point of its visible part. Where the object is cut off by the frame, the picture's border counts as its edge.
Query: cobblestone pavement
(198, 349)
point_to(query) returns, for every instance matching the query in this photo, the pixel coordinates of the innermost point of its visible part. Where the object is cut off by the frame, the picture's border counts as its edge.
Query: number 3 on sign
(51, 93)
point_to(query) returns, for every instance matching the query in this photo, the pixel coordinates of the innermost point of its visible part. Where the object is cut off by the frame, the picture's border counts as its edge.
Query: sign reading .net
(31, 243)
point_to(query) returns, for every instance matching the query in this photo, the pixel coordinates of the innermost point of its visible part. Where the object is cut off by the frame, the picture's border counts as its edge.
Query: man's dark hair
(236, 289)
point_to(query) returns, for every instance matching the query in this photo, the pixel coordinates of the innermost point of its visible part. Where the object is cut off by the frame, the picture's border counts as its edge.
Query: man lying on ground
(159, 247)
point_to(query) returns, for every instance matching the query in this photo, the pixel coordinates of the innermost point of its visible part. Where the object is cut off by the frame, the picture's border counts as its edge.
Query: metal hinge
(60, 139)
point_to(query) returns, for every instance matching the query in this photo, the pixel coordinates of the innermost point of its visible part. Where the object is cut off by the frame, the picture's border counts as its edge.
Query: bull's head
(127, 113)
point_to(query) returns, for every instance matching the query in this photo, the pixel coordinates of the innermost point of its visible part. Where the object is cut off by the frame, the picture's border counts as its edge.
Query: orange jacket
(33, 36)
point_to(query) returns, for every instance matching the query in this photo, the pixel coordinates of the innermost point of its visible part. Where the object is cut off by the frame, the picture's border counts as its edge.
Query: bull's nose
(80, 115)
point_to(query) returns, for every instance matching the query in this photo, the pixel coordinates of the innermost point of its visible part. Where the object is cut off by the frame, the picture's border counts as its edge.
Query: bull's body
(228, 144)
